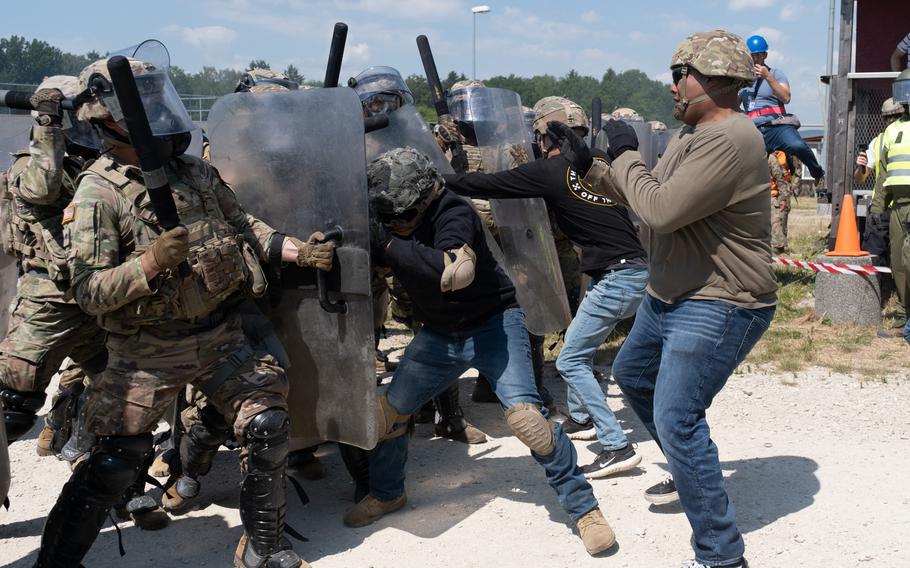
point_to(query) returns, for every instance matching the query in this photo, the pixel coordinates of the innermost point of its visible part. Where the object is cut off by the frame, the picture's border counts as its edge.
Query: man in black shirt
(611, 255)
(434, 243)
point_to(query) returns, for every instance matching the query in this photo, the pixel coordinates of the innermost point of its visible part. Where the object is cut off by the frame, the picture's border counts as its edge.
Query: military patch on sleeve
(69, 213)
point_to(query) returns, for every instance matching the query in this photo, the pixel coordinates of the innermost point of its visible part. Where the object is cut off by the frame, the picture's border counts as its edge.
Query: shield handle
(341, 307)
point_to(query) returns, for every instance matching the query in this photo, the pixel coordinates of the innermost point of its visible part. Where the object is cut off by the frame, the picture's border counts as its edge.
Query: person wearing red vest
(764, 102)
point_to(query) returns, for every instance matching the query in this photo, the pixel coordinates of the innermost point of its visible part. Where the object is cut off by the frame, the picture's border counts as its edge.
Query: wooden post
(841, 121)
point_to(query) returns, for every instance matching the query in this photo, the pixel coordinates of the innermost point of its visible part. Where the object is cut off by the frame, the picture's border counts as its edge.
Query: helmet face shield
(381, 80)
(80, 132)
(381, 103)
(163, 107)
(474, 104)
(149, 51)
(900, 91)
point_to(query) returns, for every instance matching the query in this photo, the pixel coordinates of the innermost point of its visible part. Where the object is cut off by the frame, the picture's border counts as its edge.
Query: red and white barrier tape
(832, 268)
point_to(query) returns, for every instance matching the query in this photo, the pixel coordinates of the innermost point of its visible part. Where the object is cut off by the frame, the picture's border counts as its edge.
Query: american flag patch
(69, 213)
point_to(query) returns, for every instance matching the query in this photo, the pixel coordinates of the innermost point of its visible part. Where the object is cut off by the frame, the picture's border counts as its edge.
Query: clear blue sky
(524, 38)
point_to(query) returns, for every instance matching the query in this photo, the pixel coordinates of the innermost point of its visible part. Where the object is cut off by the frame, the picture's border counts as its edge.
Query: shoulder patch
(69, 213)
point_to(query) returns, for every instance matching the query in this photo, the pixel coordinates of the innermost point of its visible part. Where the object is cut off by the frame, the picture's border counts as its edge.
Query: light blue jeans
(674, 362)
(608, 300)
(499, 348)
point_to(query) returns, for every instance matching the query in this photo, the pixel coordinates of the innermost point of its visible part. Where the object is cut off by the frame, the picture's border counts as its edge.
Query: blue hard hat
(757, 44)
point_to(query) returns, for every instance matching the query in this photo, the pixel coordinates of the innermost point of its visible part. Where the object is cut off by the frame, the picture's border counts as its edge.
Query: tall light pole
(476, 10)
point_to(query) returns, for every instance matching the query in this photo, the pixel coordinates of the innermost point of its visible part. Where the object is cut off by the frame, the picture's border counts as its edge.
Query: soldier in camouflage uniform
(46, 325)
(166, 331)
(782, 192)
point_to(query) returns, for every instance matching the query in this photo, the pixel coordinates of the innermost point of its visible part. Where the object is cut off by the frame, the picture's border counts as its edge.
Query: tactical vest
(33, 233)
(222, 262)
(897, 154)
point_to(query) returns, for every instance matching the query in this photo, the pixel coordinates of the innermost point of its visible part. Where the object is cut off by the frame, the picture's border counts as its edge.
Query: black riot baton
(336, 53)
(436, 92)
(19, 100)
(140, 133)
(596, 120)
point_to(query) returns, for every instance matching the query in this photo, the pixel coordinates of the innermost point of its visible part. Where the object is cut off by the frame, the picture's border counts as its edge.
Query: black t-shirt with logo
(417, 262)
(600, 226)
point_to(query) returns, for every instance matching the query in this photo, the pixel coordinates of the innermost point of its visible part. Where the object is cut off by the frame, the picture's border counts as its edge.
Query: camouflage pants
(41, 335)
(780, 213)
(380, 291)
(147, 370)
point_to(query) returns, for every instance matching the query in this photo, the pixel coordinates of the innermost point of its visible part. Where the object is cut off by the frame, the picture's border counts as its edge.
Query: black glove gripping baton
(152, 165)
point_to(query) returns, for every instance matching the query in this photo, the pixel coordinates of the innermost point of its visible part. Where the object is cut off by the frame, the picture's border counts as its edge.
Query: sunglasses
(402, 218)
(677, 75)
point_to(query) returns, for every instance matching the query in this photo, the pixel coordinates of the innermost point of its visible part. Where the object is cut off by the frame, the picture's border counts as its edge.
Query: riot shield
(14, 137)
(527, 243)
(4, 463)
(646, 147)
(296, 160)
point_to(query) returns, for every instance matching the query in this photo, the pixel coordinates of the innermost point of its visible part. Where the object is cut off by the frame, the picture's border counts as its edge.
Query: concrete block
(850, 298)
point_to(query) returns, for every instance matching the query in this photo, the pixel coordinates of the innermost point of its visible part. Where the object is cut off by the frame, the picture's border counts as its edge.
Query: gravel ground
(815, 463)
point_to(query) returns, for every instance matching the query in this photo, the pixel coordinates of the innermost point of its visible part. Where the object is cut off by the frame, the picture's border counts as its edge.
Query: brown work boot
(371, 509)
(595, 532)
(146, 513)
(179, 494)
(470, 434)
(246, 557)
(160, 467)
(45, 442)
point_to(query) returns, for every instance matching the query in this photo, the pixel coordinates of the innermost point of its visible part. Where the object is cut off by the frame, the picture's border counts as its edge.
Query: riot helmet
(627, 114)
(401, 185)
(381, 90)
(259, 80)
(900, 89)
(77, 133)
(466, 109)
(561, 110)
(713, 54)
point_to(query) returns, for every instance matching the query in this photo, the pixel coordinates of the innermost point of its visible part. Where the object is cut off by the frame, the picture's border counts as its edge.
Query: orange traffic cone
(847, 243)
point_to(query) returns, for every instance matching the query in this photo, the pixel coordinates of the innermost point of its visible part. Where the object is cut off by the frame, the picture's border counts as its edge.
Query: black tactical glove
(571, 146)
(380, 237)
(47, 104)
(621, 138)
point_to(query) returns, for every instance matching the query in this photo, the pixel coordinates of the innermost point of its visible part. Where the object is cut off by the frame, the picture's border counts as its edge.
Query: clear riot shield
(523, 224)
(296, 160)
(14, 137)
(4, 463)
(646, 146)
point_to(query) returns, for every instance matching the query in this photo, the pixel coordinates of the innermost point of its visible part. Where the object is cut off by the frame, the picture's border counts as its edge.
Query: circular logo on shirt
(584, 191)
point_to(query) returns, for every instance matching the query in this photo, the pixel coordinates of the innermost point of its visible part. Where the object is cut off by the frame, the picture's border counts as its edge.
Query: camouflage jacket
(782, 178)
(110, 223)
(41, 182)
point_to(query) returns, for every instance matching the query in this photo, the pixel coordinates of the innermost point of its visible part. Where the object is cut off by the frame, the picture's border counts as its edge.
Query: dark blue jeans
(676, 359)
(787, 139)
(499, 348)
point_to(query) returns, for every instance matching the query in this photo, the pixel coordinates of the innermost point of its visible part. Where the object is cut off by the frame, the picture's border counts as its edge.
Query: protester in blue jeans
(435, 245)
(712, 293)
(611, 255)
(764, 102)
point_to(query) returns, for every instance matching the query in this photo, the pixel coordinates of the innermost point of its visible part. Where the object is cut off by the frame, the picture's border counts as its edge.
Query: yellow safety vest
(896, 153)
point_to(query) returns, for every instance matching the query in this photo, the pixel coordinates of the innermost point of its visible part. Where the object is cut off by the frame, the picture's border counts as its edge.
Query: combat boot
(246, 557)
(146, 513)
(179, 493)
(595, 532)
(161, 467)
(45, 442)
(370, 509)
(452, 424)
(306, 463)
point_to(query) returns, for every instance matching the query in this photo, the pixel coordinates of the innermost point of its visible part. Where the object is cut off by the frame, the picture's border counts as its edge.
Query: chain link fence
(868, 99)
(197, 105)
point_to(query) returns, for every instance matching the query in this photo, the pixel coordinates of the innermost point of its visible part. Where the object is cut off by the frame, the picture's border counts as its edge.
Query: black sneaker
(663, 493)
(696, 564)
(609, 462)
(579, 431)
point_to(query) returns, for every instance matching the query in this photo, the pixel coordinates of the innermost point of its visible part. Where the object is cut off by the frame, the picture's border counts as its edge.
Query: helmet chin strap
(679, 109)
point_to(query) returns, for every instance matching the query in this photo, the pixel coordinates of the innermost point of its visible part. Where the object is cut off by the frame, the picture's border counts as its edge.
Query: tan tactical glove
(447, 132)
(313, 254)
(46, 103)
(168, 251)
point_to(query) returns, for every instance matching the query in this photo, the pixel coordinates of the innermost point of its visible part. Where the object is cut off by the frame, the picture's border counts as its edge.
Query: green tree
(259, 64)
(293, 73)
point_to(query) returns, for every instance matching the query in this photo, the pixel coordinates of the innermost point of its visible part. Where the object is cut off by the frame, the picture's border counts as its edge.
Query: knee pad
(529, 425)
(116, 462)
(390, 423)
(20, 411)
(267, 439)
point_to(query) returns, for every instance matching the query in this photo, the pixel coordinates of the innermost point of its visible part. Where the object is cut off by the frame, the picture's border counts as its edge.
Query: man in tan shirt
(712, 293)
